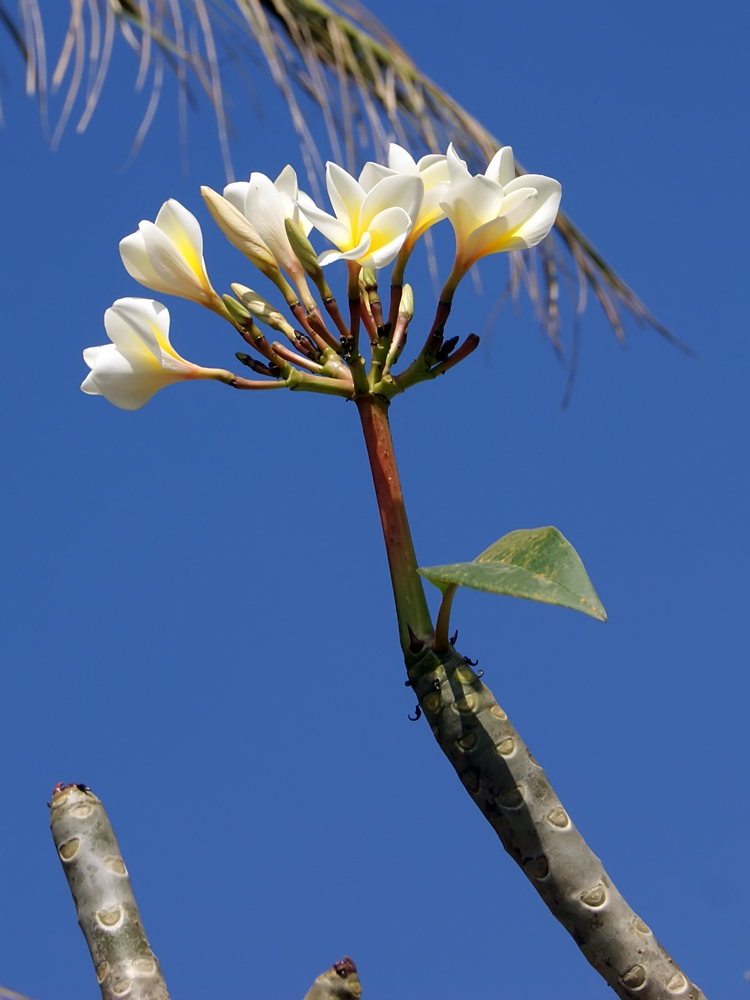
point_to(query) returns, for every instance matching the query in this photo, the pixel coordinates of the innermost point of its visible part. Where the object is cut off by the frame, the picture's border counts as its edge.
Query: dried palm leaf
(365, 84)
(11, 994)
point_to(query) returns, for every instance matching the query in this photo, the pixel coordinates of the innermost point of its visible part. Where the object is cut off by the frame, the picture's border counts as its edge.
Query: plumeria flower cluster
(376, 220)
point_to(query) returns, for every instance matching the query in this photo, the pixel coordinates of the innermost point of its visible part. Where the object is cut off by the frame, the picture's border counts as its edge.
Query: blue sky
(231, 686)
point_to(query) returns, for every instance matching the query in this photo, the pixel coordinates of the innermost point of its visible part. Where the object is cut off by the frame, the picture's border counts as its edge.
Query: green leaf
(535, 563)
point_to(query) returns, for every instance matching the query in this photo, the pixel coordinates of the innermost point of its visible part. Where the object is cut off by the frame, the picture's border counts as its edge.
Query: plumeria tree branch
(340, 982)
(374, 219)
(108, 914)
(516, 798)
(502, 777)
(100, 885)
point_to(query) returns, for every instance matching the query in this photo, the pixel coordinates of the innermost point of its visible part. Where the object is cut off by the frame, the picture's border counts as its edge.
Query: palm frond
(366, 86)
(6, 994)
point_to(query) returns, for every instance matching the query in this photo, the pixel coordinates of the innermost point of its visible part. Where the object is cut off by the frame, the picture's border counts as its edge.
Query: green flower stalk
(411, 605)
(305, 253)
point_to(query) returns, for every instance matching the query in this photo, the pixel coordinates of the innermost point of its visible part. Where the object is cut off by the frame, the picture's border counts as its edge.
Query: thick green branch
(107, 912)
(515, 797)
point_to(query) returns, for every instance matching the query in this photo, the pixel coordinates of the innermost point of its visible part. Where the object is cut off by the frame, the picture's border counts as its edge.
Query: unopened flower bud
(256, 366)
(305, 254)
(262, 309)
(239, 232)
(237, 312)
(406, 306)
(303, 248)
(369, 280)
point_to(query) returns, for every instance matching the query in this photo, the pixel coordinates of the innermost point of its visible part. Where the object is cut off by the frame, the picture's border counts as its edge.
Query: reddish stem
(252, 336)
(368, 322)
(245, 383)
(396, 291)
(470, 344)
(442, 313)
(317, 324)
(411, 605)
(333, 311)
(377, 312)
(299, 313)
(295, 359)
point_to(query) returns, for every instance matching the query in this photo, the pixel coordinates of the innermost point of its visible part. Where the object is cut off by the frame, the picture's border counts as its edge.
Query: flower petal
(174, 273)
(140, 360)
(264, 209)
(518, 206)
(137, 264)
(131, 338)
(335, 230)
(286, 182)
(89, 385)
(301, 205)
(345, 193)
(149, 322)
(430, 211)
(430, 160)
(382, 257)
(549, 193)
(388, 230)
(457, 169)
(117, 379)
(401, 160)
(493, 235)
(293, 199)
(184, 230)
(544, 185)
(434, 173)
(372, 173)
(502, 166)
(470, 204)
(236, 193)
(329, 256)
(90, 354)
(398, 191)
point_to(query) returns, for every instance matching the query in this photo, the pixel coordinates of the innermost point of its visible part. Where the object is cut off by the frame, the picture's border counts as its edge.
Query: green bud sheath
(239, 314)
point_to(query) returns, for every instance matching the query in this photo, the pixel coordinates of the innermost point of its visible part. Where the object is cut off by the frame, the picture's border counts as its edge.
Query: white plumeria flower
(167, 256)
(496, 211)
(370, 225)
(434, 173)
(140, 360)
(266, 205)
